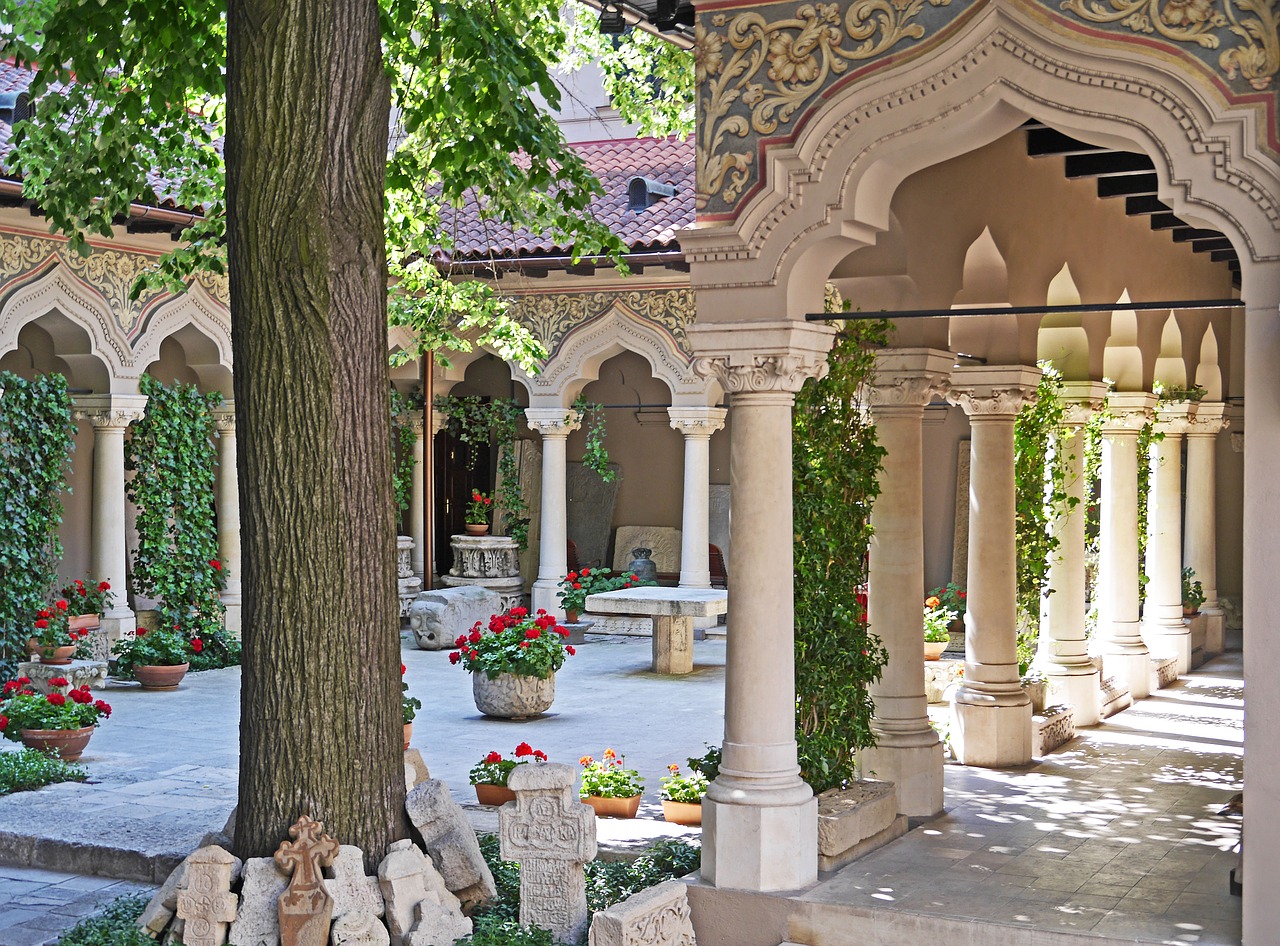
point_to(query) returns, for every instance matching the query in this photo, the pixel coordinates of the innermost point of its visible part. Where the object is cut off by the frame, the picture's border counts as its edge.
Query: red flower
(962, 594)
(57, 699)
(22, 681)
(197, 644)
(571, 576)
(41, 624)
(533, 633)
(4, 721)
(524, 643)
(9, 688)
(577, 586)
(44, 613)
(487, 500)
(569, 650)
(58, 682)
(104, 586)
(523, 750)
(493, 758)
(537, 753)
(402, 669)
(82, 696)
(80, 589)
(141, 632)
(519, 612)
(475, 636)
(60, 605)
(102, 708)
(454, 657)
(215, 564)
(586, 572)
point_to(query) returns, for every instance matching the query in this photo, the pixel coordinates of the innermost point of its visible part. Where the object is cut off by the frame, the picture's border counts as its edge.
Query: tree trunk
(320, 724)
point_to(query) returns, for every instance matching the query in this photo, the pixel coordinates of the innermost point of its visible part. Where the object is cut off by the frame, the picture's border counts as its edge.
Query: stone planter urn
(509, 696)
(1038, 691)
(933, 649)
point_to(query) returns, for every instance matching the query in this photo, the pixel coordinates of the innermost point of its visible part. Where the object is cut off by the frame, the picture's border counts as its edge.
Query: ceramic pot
(681, 812)
(68, 743)
(81, 621)
(408, 734)
(487, 794)
(509, 696)
(933, 649)
(1189, 612)
(57, 655)
(160, 678)
(570, 617)
(477, 528)
(613, 807)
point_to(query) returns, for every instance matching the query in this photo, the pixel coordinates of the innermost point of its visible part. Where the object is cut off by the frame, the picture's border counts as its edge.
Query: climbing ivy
(35, 445)
(1146, 437)
(836, 464)
(594, 455)
(474, 421)
(172, 456)
(402, 439)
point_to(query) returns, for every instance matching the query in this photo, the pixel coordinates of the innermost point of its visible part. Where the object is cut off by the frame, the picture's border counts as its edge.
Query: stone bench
(672, 611)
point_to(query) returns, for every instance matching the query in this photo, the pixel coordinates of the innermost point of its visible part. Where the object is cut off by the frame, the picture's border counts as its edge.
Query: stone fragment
(353, 891)
(207, 904)
(173, 936)
(359, 929)
(258, 923)
(552, 835)
(78, 673)
(164, 904)
(451, 842)
(437, 617)
(658, 916)
(415, 769)
(306, 907)
(408, 879)
(437, 925)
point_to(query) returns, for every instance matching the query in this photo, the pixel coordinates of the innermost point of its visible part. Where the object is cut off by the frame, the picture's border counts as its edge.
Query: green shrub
(114, 925)
(28, 769)
(491, 930)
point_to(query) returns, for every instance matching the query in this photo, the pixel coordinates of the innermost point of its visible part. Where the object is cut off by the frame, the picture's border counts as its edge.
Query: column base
(544, 595)
(231, 618)
(1170, 640)
(1215, 627)
(1132, 668)
(119, 623)
(748, 847)
(1081, 687)
(916, 773)
(991, 730)
(672, 644)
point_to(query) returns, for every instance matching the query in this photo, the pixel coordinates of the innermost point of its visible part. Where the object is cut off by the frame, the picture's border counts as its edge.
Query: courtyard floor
(1115, 835)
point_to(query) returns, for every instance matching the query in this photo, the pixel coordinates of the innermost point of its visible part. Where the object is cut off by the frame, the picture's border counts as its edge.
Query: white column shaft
(554, 424)
(229, 515)
(695, 570)
(1201, 541)
(417, 523)
(108, 550)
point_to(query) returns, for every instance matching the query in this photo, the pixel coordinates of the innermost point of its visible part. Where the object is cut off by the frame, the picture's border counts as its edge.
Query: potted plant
(936, 619)
(490, 774)
(513, 665)
(576, 586)
(410, 706)
(682, 796)
(954, 598)
(58, 720)
(609, 787)
(88, 601)
(1192, 592)
(52, 636)
(477, 515)
(157, 659)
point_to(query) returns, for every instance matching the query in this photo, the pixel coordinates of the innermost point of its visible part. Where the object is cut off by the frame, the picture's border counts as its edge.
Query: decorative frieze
(697, 421)
(552, 422)
(1002, 390)
(109, 411)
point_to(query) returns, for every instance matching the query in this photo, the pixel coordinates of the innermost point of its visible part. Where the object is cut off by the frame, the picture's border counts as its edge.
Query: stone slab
(1115, 697)
(896, 830)
(258, 922)
(847, 817)
(438, 617)
(451, 842)
(658, 916)
(665, 602)
(78, 673)
(589, 516)
(1056, 727)
(662, 541)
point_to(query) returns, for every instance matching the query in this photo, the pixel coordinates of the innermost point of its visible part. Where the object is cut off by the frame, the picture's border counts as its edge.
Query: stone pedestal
(908, 752)
(488, 561)
(407, 583)
(78, 673)
(991, 714)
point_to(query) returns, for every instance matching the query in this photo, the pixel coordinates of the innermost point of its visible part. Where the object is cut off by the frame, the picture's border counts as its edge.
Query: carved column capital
(697, 421)
(761, 357)
(1081, 399)
(1176, 418)
(414, 421)
(992, 391)
(552, 422)
(224, 418)
(1210, 419)
(909, 377)
(1128, 412)
(109, 411)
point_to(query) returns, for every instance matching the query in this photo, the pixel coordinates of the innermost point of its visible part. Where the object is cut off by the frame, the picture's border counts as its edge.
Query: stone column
(1064, 645)
(110, 415)
(554, 424)
(1200, 544)
(760, 819)
(908, 751)
(417, 527)
(697, 424)
(229, 515)
(1125, 656)
(991, 713)
(1163, 627)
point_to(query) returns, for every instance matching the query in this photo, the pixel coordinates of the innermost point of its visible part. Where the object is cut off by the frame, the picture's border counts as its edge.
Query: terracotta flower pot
(481, 528)
(82, 621)
(160, 678)
(613, 807)
(509, 696)
(68, 743)
(933, 649)
(681, 812)
(408, 734)
(487, 794)
(57, 655)
(570, 617)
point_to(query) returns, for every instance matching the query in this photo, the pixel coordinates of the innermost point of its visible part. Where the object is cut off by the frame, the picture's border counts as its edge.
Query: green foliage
(576, 587)
(608, 777)
(506, 880)
(708, 763)
(403, 437)
(114, 925)
(1146, 437)
(172, 456)
(1169, 394)
(952, 596)
(473, 421)
(1042, 443)
(164, 647)
(493, 931)
(936, 619)
(35, 445)
(594, 455)
(514, 643)
(836, 465)
(27, 769)
(684, 788)
(1192, 590)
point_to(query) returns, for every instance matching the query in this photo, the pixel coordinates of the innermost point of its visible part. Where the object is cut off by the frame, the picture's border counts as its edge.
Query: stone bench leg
(672, 645)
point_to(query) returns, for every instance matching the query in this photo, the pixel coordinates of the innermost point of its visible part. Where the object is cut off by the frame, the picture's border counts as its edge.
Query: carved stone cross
(305, 906)
(207, 905)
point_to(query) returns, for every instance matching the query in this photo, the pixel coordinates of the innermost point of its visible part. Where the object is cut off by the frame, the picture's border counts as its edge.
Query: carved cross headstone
(552, 834)
(305, 906)
(207, 905)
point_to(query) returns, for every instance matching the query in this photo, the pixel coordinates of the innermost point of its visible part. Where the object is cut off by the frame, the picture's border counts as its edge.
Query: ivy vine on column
(403, 469)
(594, 455)
(36, 440)
(173, 458)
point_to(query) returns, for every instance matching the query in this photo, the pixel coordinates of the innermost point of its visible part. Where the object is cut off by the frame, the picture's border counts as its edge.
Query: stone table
(672, 611)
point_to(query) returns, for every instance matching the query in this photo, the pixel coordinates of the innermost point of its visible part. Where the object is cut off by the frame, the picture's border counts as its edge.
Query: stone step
(1115, 697)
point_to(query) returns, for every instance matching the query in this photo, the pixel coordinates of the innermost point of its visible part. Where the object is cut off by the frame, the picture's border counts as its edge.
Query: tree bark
(320, 725)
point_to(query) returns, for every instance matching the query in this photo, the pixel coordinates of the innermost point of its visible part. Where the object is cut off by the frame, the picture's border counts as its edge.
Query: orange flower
(673, 768)
(610, 754)
(932, 601)
(586, 760)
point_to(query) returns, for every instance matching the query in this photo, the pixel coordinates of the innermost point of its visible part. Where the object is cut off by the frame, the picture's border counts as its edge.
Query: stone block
(438, 617)
(408, 879)
(352, 890)
(663, 541)
(451, 842)
(1055, 728)
(658, 916)
(752, 847)
(847, 817)
(415, 769)
(206, 905)
(359, 929)
(258, 922)
(991, 732)
(672, 649)
(164, 904)
(78, 673)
